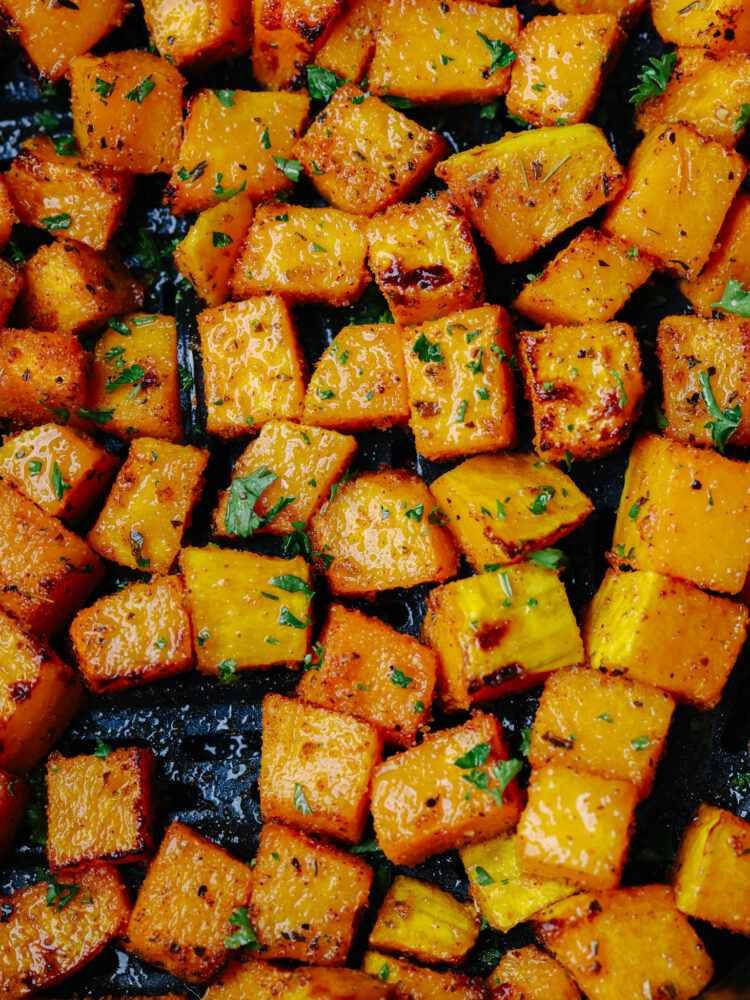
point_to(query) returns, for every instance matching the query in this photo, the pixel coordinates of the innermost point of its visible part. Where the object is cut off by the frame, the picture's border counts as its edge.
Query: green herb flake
(384, 972)
(605, 717)
(292, 585)
(482, 876)
(502, 55)
(742, 118)
(734, 300)
(291, 169)
(300, 800)
(102, 750)
(621, 388)
(140, 92)
(415, 513)
(65, 145)
(57, 222)
(226, 98)
(399, 678)
(59, 894)
(525, 743)
(244, 493)
(221, 193)
(222, 239)
(653, 79)
(634, 512)
(641, 743)
(227, 671)
(288, 618)
(476, 757)
(548, 558)
(723, 423)
(244, 936)
(427, 351)
(418, 708)
(59, 484)
(541, 500)
(322, 83)
(461, 411)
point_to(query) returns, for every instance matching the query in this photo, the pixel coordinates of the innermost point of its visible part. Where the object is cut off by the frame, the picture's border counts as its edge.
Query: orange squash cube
(730, 258)
(310, 19)
(249, 977)
(363, 155)
(530, 974)
(722, 26)
(207, 255)
(182, 916)
(376, 533)
(14, 798)
(456, 787)
(351, 41)
(136, 635)
(420, 983)
(253, 366)
(148, 509)
(627, 12)
(279, 56)
(201, 33)
(127, 110)
(373, 672)
(11, 283)
(322, 983)
(316, 768)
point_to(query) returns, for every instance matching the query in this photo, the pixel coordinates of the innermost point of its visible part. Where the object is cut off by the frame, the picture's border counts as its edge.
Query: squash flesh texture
(279, 55)
(198, 32)
(249, 977)
(420, 983)
(721, 26)
(730, 258)
(351, 41)
(530, 974)
(206, 265)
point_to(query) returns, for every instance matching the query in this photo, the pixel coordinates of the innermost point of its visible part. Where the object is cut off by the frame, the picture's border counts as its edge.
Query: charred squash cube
(323, 983)
(279, 55)
(418, 982)
(585, 387)
(310, 19)
(456, 787)
(249, 976)
(11, 283)
(316, 768)
(181, 918)
(531, 974)
(136, 635)
(730, 258)
(363, 155)
(350, 43)
(149, 507)
(723, 26)
(200, 34)
(207, 255)
(14, 798)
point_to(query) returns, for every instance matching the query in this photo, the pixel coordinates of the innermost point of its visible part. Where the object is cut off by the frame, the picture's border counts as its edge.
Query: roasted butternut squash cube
(127, 110)
(359, 382)
(54, 928)
(70, 288)
(719, 27)
(14, 798)
(730, 258)
(253, 367)
(627, 12)
(11, 282)
(316, 983)
(500, 507)
(679, 188)
(149, 507)
(692, 349)
(64, 473)
(100, 807)
(373, 672)
(53, 36)
(208, 253)
(682, 513)
(458, 786)
(182, 916)
(247, 611)
(623, 741)
(316, 767)
(376, 534)
(46, 572)
(305, 464)
(419, 919)
(45, 375)
(201, 33)
(585, 387)
(8, 216)
(135, 378)
(236, 142)
(310, 19)
(589, 281)
(576, 827)
(430, 52)
(249, 977)
(500, 632)
(664, 632)
(560, 66)
(307, 897)
(420, 983)
(530, 974)
(351, 41)
(279, 56)
(503, 894)
(621, 944)
(528, 187)
(138, 634)
(363, 155)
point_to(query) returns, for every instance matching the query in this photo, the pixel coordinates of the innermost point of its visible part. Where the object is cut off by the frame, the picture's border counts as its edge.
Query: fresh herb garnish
(322, 83)
(59, 894)
(244, 936)
(427, 351)
(244, 493)
(734, 299)
(502, 54)
(300, 800)
(724, 422)
(653, 79)
(140, 92)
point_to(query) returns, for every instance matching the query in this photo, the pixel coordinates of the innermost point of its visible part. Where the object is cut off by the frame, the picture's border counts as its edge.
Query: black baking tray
(207, 738)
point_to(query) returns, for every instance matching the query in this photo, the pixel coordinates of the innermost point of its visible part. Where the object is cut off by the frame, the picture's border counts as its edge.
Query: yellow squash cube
(11, 283)
(208, 253)
(199, 33)
(627, 12)
(720, 26)
(279, 55)
(530, 974)
(351, 41)
(249, 977)
(316, 983)
(420, 983)
(730, 258)
(310, 19)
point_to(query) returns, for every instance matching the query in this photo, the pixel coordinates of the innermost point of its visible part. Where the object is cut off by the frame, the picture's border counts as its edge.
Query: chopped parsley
(723, 423)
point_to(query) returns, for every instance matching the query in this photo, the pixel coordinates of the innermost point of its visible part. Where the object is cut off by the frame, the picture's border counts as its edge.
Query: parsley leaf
(427, 351)
(128, 376)
(483, 877)
(140, 92)
(225, 97)
(244, 493)
(322, 83)
(734, 300)
(399, 678)
(548, 558)
(224, 194)
(183, 174)
(742, 118)
(55, 222)
(653, 79)
(300, 801)
(136, 547)
(724, 422)
(292, 584)
(502, 54)
(65, 145)
(59, 484)
(287, 617)
(291, 169)
(59, 894)
(541, 500)
(244, 936)
(98, 416)
(102, 750)
(227, 671)
(525, 742)
(475, 757)
(222, 240)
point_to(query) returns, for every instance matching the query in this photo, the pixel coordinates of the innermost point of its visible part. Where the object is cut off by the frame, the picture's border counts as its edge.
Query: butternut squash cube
(664, 632)
(307, 897)
(585, 387)
(530, 974)
(200, 33)
(679, 188)
(46, 572)
(589, 281)
(359, 382)
(351, 41)
(100, 808)
(306, 464)
(135, 378)
(500, 507)
(248, 612)
(682, 513)
(208, 252)
(53, 35)
(279, 56)
(730, 258)
(54, 928)
(70, 288)
(236, 142)
(316, 768)
(576, 827)
(503, 894)
(433, 52)
(528, 187)
(127, 110)
(627, 12)
(363, 155)
(38, 696)
(43, 374)
(149, 507)
(316, 983)
(136, 635)
(722, 26)
(182, 916)
(500, 632)
(249, 977)
(457, 787)
(419, 983)
(608, 726)
(419, 919)
(14, 798)
(712, 875)
(8, 216)
(253, 366)
(560, 67)
(64, 473)
(11, 283)
(310, 19)
(376, 533)
(626, 943)
(373, 672)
